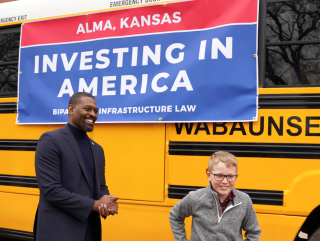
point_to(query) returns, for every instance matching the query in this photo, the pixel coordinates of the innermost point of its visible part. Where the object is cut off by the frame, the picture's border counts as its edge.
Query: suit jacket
(65, 194)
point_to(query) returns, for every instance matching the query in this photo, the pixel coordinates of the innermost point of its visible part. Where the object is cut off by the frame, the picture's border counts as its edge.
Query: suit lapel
(96, 160)
(75, 147)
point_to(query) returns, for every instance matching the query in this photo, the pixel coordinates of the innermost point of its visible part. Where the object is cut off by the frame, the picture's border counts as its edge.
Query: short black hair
(77, 96)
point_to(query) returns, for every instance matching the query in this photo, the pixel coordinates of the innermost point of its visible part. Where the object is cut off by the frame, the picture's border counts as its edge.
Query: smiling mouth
(224, 187)
(88, 124)
(89, 121)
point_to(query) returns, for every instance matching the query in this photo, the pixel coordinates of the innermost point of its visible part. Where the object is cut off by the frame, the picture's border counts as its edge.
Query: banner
(188, 61)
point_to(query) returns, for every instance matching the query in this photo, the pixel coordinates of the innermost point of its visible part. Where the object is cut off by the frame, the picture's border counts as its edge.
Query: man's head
(222, 173)
(83, 111)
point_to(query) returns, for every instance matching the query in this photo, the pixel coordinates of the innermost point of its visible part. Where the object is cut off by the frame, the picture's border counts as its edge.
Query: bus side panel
(302, 188)
(279, 227)
(143, 223)
(12, 131)
(18, 211)
(134, 159)
(20, 163)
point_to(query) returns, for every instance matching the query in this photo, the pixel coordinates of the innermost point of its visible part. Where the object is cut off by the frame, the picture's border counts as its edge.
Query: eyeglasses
(220, 177)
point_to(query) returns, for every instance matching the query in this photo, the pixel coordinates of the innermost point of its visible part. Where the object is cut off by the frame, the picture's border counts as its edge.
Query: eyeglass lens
(220, 177)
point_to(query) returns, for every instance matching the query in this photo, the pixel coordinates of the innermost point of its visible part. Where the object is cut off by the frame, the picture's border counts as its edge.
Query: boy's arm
(177, 215)
(250, 224)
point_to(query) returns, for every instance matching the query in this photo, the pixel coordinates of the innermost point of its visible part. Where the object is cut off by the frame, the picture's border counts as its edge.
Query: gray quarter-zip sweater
(208, 222)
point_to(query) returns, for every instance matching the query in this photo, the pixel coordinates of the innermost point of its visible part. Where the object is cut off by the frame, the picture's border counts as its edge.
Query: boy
(219, 211)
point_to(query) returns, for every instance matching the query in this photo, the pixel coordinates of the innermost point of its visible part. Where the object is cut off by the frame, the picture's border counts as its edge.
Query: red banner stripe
(156, 19)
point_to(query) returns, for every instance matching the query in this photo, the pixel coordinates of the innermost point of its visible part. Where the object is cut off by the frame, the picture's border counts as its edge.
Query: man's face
(83, 114)
(224, 187)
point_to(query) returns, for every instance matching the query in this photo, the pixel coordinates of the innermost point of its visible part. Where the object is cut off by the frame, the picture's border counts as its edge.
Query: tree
(9, 53)
(296, 63)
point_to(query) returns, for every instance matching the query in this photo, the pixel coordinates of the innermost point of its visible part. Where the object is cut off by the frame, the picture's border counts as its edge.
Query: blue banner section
(207, 75)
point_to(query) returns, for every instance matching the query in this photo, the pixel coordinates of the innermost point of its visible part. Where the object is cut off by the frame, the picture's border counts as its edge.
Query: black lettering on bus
(278, 129)
(308, 126)
(204, 128)
(252, 132)
(299, 129)
(235, 128)
(179, 127)
(223, 125)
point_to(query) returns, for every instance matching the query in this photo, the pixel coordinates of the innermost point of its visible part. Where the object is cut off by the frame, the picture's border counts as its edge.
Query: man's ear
(70, 109)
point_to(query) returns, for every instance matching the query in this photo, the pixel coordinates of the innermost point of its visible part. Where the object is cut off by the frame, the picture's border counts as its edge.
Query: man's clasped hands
(106, 205)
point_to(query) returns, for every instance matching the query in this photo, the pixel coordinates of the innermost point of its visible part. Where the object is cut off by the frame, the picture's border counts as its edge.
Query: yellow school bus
(153, 166)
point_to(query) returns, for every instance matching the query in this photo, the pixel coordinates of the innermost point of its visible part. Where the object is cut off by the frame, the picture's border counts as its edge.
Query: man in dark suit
(71, 178)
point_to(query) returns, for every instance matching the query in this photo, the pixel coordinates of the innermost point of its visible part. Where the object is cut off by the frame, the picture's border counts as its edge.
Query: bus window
(292, 44)
(9, 56)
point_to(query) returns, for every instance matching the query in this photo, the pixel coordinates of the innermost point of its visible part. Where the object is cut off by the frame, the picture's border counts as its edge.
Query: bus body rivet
(160, 119)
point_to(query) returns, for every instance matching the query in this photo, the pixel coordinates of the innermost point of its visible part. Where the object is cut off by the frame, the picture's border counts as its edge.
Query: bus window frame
(263, 44)
(5, 30)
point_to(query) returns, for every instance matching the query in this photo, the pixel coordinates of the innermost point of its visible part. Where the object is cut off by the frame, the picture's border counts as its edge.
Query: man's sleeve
(47, 165)
(250, 223)
(103, 188)
(177, 216)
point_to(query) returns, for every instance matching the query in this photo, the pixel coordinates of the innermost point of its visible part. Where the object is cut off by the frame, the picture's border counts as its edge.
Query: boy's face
(224, 187)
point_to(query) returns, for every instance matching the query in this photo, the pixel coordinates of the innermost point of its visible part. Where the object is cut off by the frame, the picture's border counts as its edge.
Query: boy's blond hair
(222, 156)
